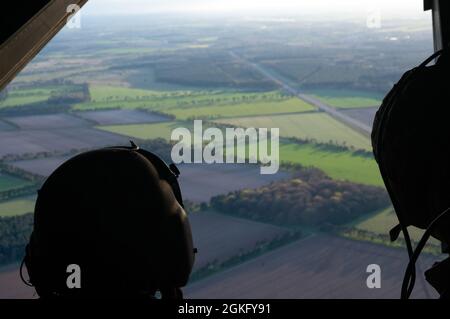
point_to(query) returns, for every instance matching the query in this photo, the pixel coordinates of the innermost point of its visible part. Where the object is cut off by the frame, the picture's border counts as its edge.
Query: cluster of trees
(233, 100)
(33, 109)
(14, 235)
(198, 72)
(76, 94)
(310, 198)
(156, 96)
(323, 72)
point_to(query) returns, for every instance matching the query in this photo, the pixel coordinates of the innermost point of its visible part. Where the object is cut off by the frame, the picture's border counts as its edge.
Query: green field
(17, 207)
(316, 126)
(22, 97)
(130, 98)
(338, 165)
(190, 104)
(8, 182)
(22, 100)
(383, 222)
(243, 109)
(347, 98)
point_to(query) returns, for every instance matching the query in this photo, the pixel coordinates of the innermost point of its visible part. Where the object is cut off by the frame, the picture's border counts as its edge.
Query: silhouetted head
(117, 213)
(411, 140)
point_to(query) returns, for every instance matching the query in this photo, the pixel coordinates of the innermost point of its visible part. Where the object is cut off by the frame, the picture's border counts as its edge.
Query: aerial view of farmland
(308, 231)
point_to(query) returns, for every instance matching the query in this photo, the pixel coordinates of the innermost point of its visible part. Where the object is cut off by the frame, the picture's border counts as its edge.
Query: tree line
(310, 198)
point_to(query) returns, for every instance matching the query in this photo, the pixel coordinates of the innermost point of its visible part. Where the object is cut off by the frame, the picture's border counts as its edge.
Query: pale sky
(389, 8)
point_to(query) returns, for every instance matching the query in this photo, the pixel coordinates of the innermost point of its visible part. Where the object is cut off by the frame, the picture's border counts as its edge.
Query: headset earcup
(166, 172)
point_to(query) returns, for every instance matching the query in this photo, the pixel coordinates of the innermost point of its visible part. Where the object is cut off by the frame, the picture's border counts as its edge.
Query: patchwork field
(347, 98)
(47, 122)
(316, 126)
(188, 104)
(17, 207)
(319, 266)
(200, 182)
(212, 234)
(225, 70)
(113, 117)
(36, 141)
(364, 115)
(339, 165)
(8, 182)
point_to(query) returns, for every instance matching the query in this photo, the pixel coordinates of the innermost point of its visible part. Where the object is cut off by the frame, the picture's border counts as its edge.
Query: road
(347, 120)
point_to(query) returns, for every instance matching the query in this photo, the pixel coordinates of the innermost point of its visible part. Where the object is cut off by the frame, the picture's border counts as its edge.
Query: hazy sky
(389, 8)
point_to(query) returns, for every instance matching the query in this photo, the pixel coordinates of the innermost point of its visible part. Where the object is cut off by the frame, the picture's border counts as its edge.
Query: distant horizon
(339, 9)
(223, 18)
